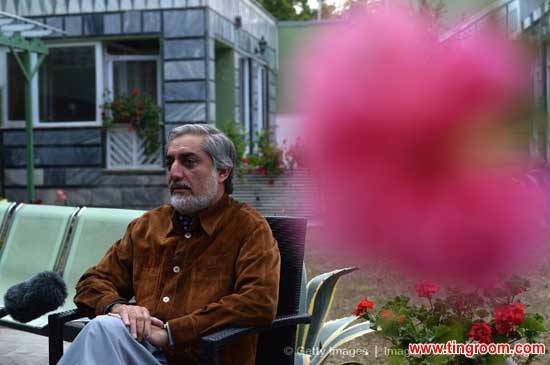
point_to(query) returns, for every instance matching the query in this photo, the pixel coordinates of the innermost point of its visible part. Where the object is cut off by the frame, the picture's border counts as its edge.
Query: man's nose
(175, 171)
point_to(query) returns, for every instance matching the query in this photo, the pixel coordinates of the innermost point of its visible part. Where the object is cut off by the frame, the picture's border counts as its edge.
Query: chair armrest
(56, 323)
(210, 344)
(64, 317)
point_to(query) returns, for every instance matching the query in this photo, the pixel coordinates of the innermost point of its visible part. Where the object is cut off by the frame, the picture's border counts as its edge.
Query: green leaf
(534, 322)
(331, 329)
(347, 335)
(320, 294)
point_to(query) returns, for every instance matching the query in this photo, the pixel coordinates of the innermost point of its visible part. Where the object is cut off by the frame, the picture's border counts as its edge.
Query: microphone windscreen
(35, 296)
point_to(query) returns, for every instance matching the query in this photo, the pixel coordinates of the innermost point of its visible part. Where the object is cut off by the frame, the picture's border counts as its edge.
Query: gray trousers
(106, 340)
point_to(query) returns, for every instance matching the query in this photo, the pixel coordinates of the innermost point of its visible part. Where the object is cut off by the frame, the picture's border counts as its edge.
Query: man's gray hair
(215, 143)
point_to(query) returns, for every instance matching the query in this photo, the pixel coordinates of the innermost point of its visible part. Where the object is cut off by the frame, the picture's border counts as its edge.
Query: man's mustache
(179, 184)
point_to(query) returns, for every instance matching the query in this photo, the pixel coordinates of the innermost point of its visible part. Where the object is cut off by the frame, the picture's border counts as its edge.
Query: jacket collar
(208, 218)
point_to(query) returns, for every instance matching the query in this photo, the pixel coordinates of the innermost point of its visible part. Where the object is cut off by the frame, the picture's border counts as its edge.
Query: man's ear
(223, 174)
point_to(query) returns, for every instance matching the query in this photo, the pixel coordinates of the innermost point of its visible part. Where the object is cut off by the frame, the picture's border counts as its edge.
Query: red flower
(261, 171)
(61, 196)
(386, 313)
(363, 306)
(103, 115)
(518, 313)
(401, 319)
(135, 92)
(244, 160)
(37, 201)
(426, 289)
(508, 316)
(504, 328)
(481, 332)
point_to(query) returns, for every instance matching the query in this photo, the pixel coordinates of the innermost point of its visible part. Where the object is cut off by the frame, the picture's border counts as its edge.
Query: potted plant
(137, 110)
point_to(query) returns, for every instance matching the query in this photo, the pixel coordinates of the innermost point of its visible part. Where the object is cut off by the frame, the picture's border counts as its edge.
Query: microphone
(38, 295)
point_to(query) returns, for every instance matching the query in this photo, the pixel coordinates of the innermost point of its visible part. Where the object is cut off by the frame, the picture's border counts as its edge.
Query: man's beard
(190, 204)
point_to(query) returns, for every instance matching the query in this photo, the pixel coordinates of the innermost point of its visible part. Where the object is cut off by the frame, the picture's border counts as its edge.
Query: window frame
(109, 64)
(36, 122)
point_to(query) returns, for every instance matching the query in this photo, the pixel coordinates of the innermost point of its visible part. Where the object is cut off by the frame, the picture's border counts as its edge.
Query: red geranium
(455, 314)
(506, 317)
(139, 111)
(481, 332)
(363, 306)
(386, 313)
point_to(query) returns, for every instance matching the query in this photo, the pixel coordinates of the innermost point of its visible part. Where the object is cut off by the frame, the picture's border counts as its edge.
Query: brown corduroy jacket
(225, 272)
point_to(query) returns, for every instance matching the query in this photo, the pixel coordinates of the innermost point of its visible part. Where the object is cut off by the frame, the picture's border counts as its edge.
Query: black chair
(276, 342)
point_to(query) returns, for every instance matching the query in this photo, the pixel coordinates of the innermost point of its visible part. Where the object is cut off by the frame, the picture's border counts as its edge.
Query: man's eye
(169, 162)
(189, 162)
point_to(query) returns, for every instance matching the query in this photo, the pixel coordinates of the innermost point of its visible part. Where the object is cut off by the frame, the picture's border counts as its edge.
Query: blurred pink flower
(398, 122)
(61, 196)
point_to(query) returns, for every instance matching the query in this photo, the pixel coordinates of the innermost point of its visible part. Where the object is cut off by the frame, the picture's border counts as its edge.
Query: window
(133, 64)
(67, 84)
(66, 88)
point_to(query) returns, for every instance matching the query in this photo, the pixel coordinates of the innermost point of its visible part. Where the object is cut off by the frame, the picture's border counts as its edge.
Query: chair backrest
(33, 242)
(95, 230)
(290, 234)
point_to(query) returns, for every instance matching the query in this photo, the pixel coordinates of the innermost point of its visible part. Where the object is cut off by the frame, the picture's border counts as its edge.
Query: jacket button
(176, 269)
(187, 235)
(166, 299)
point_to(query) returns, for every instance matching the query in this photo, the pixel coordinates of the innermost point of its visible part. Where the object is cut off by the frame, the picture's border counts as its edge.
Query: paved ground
(22, 348)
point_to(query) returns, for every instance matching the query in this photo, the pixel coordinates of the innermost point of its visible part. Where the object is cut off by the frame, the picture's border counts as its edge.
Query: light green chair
(95, 230)
(33, 242)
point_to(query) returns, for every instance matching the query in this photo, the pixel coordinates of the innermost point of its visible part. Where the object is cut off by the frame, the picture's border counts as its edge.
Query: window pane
(140, 75)
(16, 90)
(67, 85)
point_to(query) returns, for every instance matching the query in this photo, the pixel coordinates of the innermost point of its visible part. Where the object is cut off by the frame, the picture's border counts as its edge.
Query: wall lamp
(238, 22)
(262, 46)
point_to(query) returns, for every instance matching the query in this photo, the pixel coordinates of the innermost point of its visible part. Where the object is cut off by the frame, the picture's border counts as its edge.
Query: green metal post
(29, 127)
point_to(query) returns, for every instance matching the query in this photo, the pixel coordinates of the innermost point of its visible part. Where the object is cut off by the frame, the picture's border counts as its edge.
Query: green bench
(64, 239)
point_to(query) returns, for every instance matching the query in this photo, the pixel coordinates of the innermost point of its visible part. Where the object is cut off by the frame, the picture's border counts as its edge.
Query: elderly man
(199, 264)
